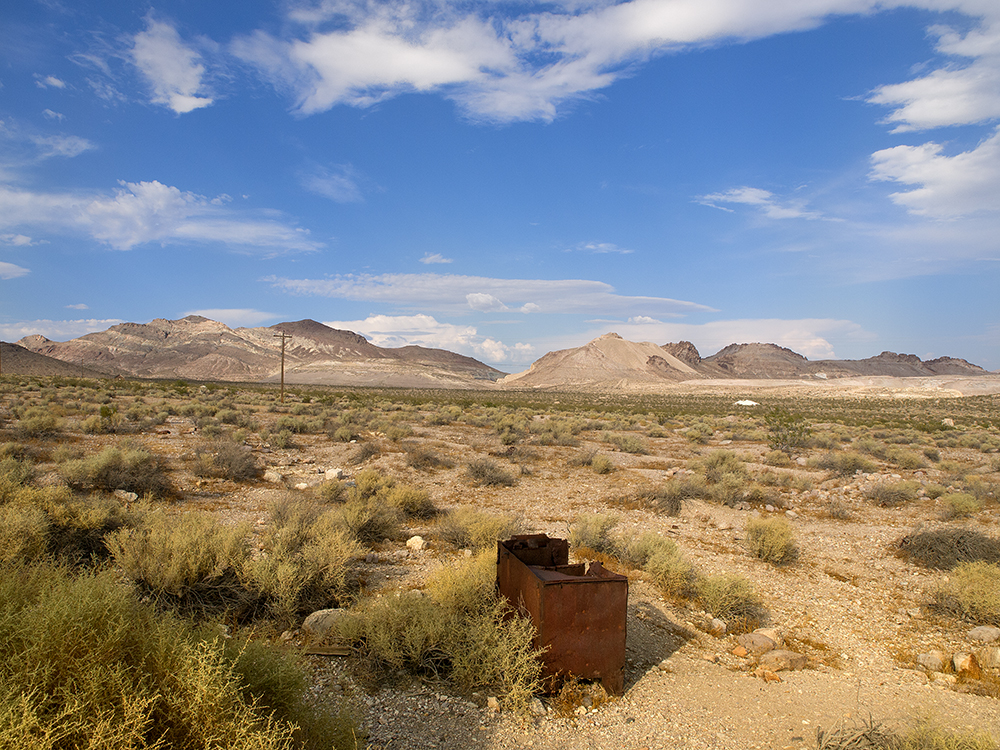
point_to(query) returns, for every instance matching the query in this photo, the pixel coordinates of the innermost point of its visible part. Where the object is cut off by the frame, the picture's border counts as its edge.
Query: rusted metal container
(578, 610)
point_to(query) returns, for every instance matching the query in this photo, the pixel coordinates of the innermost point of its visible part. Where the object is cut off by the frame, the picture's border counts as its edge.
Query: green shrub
(24, 534)
(462, 631)
(772, 540)
(485, 471)
(777, 458)
(370, 521)
(468, 528)
(628, 443)
(844, 464)
(37, 422)
(663, 561)
(593, 531)
(364, 452)
(412, 501)
(720, 464)
(128, 468)
(786, 431)
(972, 593)
(960, 505)
(88, 665)
(733, 599)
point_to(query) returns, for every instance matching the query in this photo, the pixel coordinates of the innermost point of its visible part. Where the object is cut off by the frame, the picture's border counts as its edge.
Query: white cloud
(235, 317)
(61, 145)
(810, 337)
(424, 330)
(949, 186)
(447, 292)
(49, 114)
(338, 183)
(434, 258)
(141, 212)
(600, 248)
(763, 200)
(172, 69)
(57, 330)
(44, 82)
(484, 302)
(78, 306)
(10, 271)
(17, 240)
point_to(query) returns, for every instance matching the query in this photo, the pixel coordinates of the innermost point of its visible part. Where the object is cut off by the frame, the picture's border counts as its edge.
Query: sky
(504, 179)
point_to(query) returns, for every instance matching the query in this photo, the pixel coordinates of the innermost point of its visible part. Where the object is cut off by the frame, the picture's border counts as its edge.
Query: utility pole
(284, 337)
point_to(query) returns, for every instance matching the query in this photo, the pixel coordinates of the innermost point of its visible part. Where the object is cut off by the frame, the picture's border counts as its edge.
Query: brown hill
(17, 360)
(201, 349)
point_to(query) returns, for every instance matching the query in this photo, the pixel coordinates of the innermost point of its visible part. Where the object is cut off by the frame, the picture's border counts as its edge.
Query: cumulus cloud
(235, 317)
(814, 338)
(424, 330)
(172, 69)
(484, 302)
(10, 271)
(949, 186)
(142, 212)
(57, 330)
(17, 240)
(763, 200)
(451, 293)
(338, 183)
(430, 258)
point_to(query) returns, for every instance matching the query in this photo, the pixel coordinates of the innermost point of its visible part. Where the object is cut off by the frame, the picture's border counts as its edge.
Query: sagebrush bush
(722, 464)
(371, 521)
(485, 471)
(412, 501)
(891, 494)
(127, 468)
(628, 443)
(872, 735)
(469, 528)
(663, 561)
(972, 592)
(772, 540)
(844, 464)
(943, 549)
(602, 465)
(733, 599)
(87, 665)
(593, 531)
(425, 459)
(960, 505)
(227, 459)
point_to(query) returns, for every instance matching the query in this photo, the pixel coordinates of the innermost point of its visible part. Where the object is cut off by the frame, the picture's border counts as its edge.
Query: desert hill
(612, 362)
(17, 360)
(201, 349)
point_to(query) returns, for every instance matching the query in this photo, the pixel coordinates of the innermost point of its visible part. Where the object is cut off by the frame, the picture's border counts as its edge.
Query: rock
(538, 708)
(965, 664)
(320, 622)
(771, 633)
(941, 677)
(493, 705)
(580, 710)
(770, 508)
(130, 497)
(948, 422)
(989, 657)
(416, 543)
(802, 461)
(272, 476)
(664, 666)
(756, 643)
(371, 557)
(717, 628)
(780, 659)
(791, 514)
(302, 486)
(932, 661)
(467, 553)
(766, 675)
(334, 473)
(740, 652)
(982, 634)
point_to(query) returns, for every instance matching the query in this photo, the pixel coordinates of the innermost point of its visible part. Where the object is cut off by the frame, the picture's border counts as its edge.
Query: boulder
(933, 661)
(334, 474)
(756, 643)
(966, 664)
(320, 622)
(982, 634)
(273, 476)
(781, 659)
(416, 543)
(989, 657)
(771, 633)
(717, 628)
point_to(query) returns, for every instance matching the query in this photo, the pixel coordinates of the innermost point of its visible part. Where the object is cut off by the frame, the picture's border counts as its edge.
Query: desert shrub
(628, 443)
(932, 454)
(371, 521)
(228, 460)
(343, 434)
(371, 483)
(972, 593)
(777, 458)
(24, 534)
(14, 473)
(127, 468)
(593, 531)
(720, 464)
(872, 735)
(602, 465)
(663, 561)
(905, 459)
(468, 528)
(282, 440)
(981, 489)
(960, 505)
(333, 491)
(485, 471)
(731, 489)
(364, 452)
(786, 431)
(462, 631)
(37, 422)
(844, 464)
(837, 509)
(733, 599)
(412, 501)
(670, 496)
(86, 664)
(943, 549)
(772, 540)
(425, 459)
(891, 494)
(933, 490)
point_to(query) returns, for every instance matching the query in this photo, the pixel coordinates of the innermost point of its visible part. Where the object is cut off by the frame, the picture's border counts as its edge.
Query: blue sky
(503, 179)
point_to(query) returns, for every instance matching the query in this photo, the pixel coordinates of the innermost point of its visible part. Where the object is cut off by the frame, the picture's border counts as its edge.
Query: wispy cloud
(46, 82)
(763, 200)
(430, 258)
(599, 248)
(172, 68)
(11, 271)
(457, 294)
(235, 317)
(50, 115)
(57, 330)
(61, 145)
(78, 306)
(17, 240)
(143, 212)
(338, 183)
(425, 330)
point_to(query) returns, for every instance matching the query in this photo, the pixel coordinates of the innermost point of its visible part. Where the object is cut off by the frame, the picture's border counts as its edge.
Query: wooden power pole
(284, 337)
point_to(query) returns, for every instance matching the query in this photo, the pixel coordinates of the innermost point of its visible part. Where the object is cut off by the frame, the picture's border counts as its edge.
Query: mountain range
(201, 349)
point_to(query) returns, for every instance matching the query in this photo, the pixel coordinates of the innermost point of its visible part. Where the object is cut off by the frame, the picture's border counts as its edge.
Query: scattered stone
(781, 659)
(130, 497)
(771, 633)
(334, 473)
(664, 666)
(467, 552)
(416, 543)
(948, 679)
(948, 422)
(302, 486)
(756, 643)
(371, 557)
(791, 514)
(982, 634)
(713, 658)
(580, 710)
(538, 708)
(740, 651)
(965, 664)
(989, 657)
(492, 705)
(319, 623)
(272, 476)
(770, 508)
(932, 661)
(802, 461)
(766, 675)
(717, 628)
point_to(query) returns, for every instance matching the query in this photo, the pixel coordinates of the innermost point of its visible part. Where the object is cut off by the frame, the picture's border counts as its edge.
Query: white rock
(320, 622)
(982, 634)
(932, 661)
(989, 657)
(126, 496)
(302, 486)
(273, 476)
(334, 473)
(416, 543)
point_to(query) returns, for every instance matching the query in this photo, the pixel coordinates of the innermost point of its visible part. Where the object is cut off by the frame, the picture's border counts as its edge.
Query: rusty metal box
(578, 610)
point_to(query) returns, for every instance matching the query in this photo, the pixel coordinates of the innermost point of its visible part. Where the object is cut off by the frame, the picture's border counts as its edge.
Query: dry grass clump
(86, 664)
(972, 592)
(460, 630)
(486, 471)
(873, 735)
(468, 528)
(663, 560)
(843, 464)
(628, 443)
(960, 505)
(777, 458)
(119, 468)
(721, 464)
(772, 540)
(227, 459)
(943, 549)
(593, 531)
(733, 599)
(891, 494)
(420, 457)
